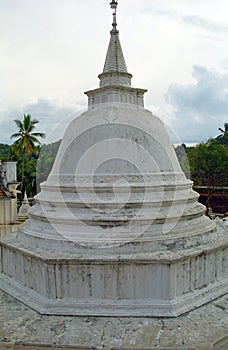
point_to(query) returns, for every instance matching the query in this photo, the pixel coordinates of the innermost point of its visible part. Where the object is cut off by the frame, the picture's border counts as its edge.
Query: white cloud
(200, 108)
(53, 118)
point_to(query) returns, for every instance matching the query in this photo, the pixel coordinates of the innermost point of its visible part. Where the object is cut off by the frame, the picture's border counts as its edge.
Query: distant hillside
(46, 160)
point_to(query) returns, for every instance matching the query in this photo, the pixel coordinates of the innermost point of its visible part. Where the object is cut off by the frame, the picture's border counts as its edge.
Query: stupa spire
(114, 5)
(115, 81)
(115, 61)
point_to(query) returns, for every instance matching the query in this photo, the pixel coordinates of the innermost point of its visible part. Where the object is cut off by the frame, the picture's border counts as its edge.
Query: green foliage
(223, 138)
(225, 131)
(30, 166)
(26, 139)
(46, 160)
(208, 162)
(25, 145)
(5, 152)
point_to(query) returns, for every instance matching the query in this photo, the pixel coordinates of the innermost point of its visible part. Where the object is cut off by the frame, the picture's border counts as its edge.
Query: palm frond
(16, 134)
(19, 124)
(26, 140)
(34, 121)
(27, 122)
(38, 134)
(34, 140)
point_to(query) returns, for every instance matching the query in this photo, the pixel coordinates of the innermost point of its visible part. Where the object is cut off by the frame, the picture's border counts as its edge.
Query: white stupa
(24, 209)
(117, 228)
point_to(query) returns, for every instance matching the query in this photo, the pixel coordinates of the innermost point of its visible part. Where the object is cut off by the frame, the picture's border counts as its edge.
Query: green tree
(225, 131)
(209, 166)
(26, 142)
(223, 138)
(5, 152)
(30, 166)
(46, 161)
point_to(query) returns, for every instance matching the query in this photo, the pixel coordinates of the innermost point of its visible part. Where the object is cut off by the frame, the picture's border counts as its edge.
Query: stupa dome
(116, 181)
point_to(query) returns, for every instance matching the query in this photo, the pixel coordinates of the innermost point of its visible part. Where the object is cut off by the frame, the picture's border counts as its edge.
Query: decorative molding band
(173, 178)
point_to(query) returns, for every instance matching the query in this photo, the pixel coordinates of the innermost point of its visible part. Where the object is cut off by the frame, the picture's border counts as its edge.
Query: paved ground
(204, 325)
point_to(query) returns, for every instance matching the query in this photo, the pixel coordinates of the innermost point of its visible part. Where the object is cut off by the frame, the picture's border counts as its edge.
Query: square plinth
(152, 284)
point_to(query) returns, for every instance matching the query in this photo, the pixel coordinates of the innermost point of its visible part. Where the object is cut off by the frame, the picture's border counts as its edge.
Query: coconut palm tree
(223, 138)
(26, 142)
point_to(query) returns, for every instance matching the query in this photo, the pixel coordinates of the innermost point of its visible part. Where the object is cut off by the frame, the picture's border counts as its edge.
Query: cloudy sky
(51, 51)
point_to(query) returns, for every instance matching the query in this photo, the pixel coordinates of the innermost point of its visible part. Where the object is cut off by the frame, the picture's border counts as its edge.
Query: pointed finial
(113, 5)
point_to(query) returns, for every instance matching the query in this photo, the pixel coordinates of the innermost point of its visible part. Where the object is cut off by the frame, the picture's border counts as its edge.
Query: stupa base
(152, 284)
